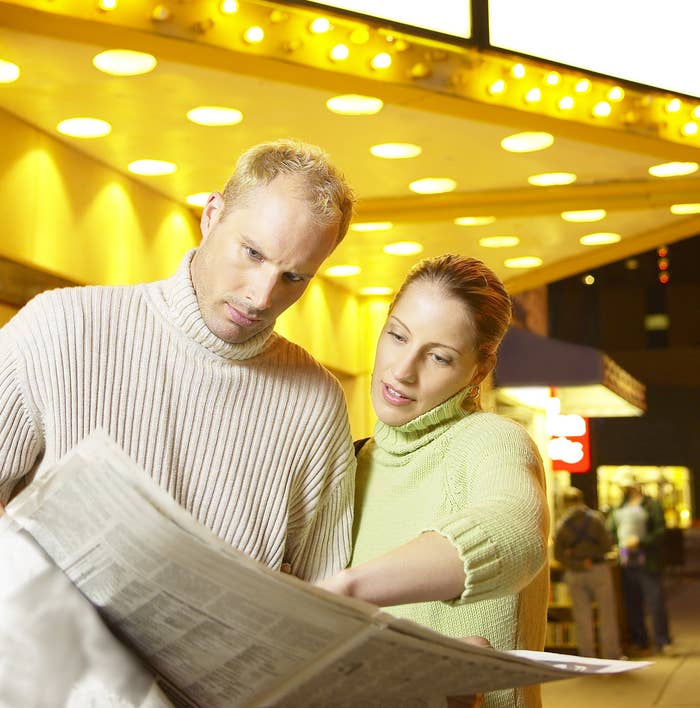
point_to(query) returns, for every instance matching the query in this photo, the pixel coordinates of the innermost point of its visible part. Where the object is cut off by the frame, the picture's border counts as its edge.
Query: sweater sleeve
(20, 438)
(323, 546)
(500, 521)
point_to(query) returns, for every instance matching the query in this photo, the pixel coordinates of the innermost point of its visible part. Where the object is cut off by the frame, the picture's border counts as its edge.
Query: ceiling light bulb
(474, 220)
(152, 168)
(518, 71)
(198, 200)
(340, 52)
(551, 179)
(320, 25)
(228, 7)
(533, 95)
(523, 262)
(403, 248)
(689, 128)
(124, 62)
(106, 5)
(9, 72)
(433, 185)
(381, 61)
(584, 215)
(367, 226)
(161, 13)
(583, 86)
(616, 94)
(566, 103)
(352, 104)
(599, 239)
(499, 241)
(673, 169)
(396, 151)
(527, 142)
(673, 106)
(497, 87)
(360, 35)
(602, 109)
(214, 115)
(588, 279)
(84, 127)
(684, 209)
(376, 290)
(696, 112)
(254, 35)
(342, 271)
(553, 78)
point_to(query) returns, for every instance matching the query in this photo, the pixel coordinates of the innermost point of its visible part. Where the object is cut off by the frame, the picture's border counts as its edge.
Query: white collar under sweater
(183, 311)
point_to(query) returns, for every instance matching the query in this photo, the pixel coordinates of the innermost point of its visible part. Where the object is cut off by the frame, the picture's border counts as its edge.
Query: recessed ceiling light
(599, 239)
(228, 7)
(198, 200)
(320, 25)
(9, 72)
(376, 290)
(499, 241)
(342, 271)
(533, 95)
(340, 52)
(523, 262)
(602, 109)
(474, 220)
(124, 62)
(381, 61)
(365, 226)
(433, 185)
(584, 216)
(396, 151)
(527, 142)
(551, 179)
(152, 168)
(352, 104)
(403, 248)
(616, 94)
(215, 115)
(588, 279)
(84, 127)
(673, 169)
(685, 208)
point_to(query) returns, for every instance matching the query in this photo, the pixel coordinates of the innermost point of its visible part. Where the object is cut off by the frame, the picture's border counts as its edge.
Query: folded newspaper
(219, 629)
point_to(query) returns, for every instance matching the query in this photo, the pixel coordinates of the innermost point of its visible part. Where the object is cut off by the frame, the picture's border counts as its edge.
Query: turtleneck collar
(181, 301)
(409, 437)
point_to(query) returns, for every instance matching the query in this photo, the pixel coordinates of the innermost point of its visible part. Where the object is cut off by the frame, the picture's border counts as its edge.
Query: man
(243, 428)
(581, 541)
(638, 526)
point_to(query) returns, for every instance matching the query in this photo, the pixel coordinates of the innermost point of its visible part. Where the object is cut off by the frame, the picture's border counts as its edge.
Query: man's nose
(262, 288)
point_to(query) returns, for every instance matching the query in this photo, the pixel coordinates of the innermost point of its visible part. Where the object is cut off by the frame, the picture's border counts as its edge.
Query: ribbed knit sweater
(477, 479)
(252, 438)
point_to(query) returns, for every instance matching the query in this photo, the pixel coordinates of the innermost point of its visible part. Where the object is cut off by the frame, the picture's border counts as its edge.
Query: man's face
(257, 260)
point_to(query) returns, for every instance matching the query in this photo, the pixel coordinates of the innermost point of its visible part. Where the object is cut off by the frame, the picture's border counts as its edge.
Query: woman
(451, 517)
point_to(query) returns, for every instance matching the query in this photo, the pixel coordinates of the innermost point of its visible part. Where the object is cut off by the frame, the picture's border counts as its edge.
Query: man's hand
(474, 700)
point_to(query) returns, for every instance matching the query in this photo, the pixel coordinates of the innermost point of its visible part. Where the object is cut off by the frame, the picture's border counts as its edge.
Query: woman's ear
(212, 212)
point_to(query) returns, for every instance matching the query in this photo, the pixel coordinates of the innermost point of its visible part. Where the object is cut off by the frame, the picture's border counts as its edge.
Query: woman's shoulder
(480, 422)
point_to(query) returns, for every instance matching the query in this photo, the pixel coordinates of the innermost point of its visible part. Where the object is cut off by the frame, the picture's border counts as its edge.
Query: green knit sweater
(477, 479)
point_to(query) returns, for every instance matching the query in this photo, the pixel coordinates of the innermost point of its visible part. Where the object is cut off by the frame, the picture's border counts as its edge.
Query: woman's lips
(238, 317)
(394, 397)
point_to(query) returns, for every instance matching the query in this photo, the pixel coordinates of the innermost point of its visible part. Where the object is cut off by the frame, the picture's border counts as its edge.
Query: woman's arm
(426, 568)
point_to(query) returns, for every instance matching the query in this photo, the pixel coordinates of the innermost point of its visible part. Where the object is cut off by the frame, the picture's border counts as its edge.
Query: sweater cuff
(483, 568)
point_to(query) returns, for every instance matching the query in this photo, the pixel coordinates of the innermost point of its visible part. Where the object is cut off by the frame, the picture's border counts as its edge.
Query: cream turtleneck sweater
(477, 479)
(252, 438)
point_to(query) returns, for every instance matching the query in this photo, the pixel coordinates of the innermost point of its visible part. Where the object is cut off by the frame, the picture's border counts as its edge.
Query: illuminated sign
(645, 41)
(569, 446)
(452, 17)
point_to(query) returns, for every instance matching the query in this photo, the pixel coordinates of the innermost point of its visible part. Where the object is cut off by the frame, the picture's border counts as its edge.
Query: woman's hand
(474, 700)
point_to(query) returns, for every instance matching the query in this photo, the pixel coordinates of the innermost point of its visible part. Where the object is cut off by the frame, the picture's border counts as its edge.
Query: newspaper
(219, 629)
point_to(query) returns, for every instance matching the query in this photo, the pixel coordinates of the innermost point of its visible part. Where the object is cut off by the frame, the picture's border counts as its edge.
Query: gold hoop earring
(472, 392)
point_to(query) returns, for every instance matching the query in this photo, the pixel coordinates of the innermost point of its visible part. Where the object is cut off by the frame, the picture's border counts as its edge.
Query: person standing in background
(581, 541)
(638, 526)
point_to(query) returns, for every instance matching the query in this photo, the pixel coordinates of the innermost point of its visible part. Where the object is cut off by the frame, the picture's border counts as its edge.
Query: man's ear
(211, 213)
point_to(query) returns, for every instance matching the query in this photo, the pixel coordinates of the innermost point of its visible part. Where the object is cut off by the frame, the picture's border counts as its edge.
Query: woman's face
(424, 354)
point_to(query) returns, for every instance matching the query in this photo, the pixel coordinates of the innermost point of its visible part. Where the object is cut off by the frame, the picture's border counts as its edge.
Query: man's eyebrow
(432, 344)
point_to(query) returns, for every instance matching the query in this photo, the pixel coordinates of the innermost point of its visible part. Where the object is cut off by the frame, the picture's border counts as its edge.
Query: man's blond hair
(320, 183)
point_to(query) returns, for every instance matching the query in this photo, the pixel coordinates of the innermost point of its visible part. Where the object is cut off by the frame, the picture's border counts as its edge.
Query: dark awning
(587, 380)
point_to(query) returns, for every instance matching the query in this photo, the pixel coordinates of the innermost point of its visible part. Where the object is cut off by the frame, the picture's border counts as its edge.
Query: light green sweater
(477, 479)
